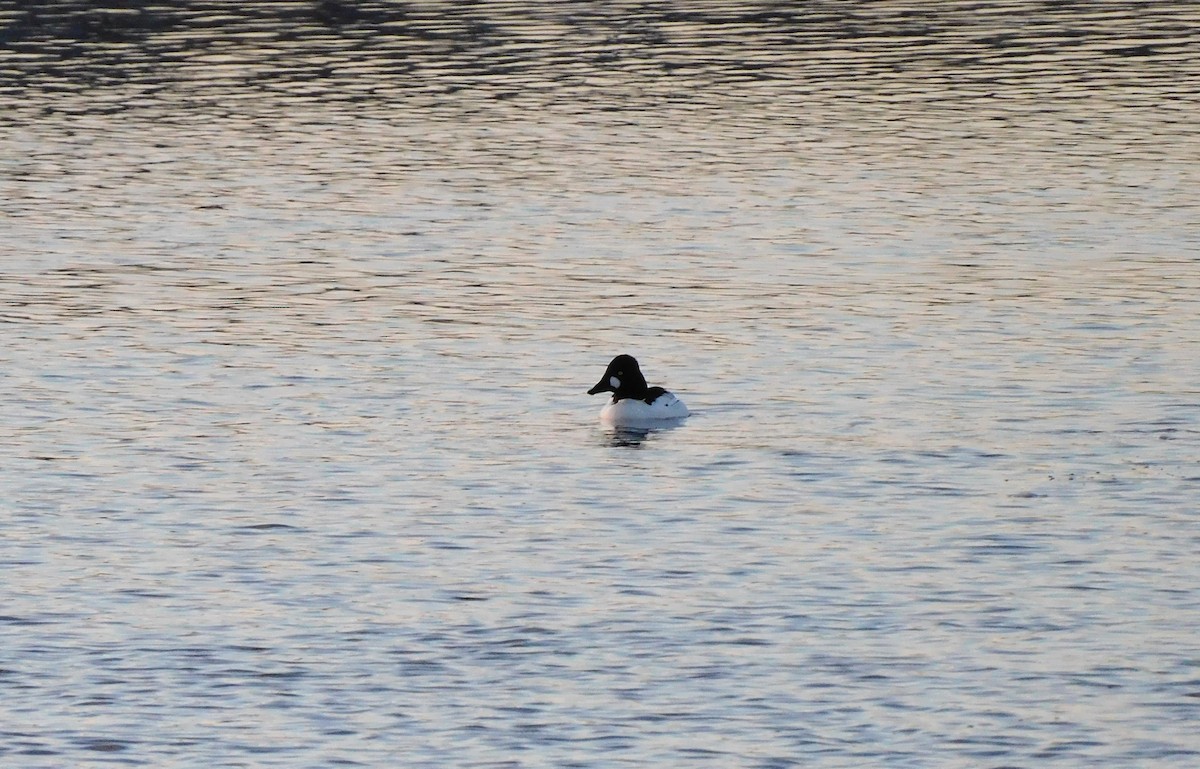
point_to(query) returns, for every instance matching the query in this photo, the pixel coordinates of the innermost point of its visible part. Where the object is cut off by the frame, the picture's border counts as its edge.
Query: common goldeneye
(633, 403)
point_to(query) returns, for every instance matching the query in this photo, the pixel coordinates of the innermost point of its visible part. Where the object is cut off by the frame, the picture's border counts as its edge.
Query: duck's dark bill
(601, 386)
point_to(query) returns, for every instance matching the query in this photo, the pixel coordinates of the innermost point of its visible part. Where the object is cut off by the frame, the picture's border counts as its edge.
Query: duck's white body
(635, 413)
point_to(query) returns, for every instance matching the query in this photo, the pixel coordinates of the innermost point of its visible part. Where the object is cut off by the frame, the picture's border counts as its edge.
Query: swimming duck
(633, 403)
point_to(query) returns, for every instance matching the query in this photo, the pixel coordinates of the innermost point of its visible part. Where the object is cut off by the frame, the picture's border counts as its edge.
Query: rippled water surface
(299, 302)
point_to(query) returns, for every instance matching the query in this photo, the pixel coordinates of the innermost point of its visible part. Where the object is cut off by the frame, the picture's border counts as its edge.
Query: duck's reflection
(634, 437)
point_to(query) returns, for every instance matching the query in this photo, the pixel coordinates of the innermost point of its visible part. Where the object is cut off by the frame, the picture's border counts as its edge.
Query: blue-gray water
(300, 301)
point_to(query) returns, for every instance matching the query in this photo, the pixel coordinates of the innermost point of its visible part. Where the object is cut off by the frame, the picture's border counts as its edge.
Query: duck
(634, 403)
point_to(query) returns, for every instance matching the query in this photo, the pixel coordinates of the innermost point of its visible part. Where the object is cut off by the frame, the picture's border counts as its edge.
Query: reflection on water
(634, 437)
(299, 301)
(626, 438)
(1011, 65)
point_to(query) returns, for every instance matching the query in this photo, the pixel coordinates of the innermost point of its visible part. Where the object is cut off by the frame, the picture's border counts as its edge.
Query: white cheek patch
(614, 382)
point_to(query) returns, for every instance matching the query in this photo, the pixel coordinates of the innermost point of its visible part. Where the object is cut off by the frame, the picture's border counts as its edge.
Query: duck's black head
(623, 379)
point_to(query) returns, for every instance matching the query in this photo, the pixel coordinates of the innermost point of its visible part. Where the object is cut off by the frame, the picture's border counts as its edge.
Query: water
(300, 302)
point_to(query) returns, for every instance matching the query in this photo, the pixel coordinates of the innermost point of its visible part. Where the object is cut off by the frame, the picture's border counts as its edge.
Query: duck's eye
(612, 380)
